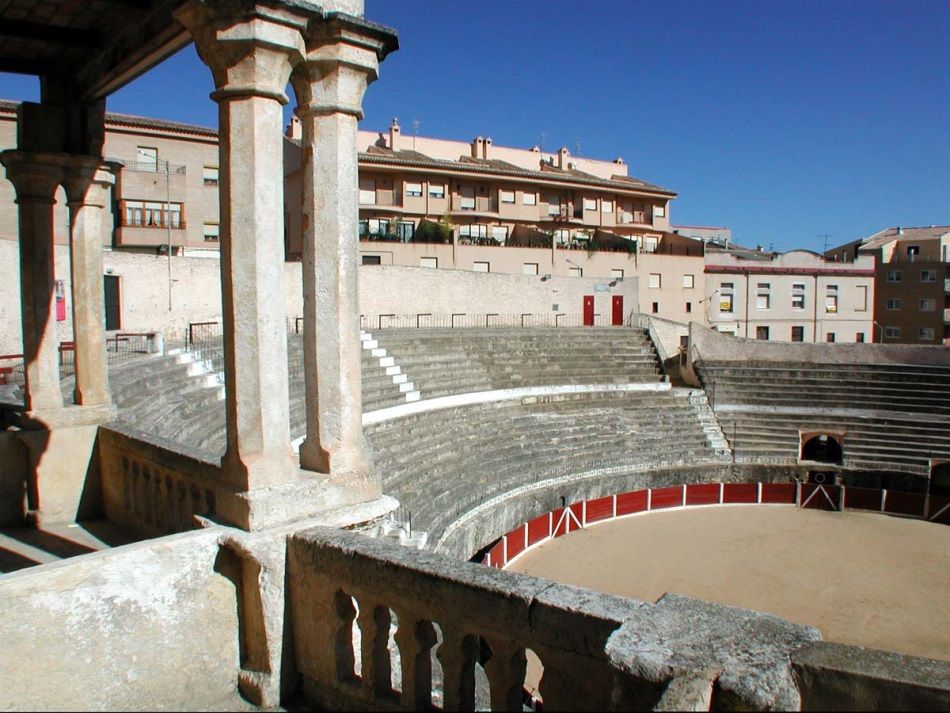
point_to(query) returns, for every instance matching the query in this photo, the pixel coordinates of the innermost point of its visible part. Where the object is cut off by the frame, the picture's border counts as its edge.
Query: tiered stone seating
(441, 362)
(444, 462)
(894, 416)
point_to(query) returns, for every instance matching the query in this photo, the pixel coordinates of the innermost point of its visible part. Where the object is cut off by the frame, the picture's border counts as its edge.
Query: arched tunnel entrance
(940, 479)
(822, 448)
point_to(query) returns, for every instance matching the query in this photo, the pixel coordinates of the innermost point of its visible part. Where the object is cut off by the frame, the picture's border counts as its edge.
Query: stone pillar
(343, 58)
(35, 178)
(87, 190)
(251, 49)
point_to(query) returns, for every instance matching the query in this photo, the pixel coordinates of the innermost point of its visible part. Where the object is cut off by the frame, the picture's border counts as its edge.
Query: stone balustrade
(598, 651)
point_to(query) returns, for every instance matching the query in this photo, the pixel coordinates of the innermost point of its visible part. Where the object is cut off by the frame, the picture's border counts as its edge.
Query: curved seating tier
(893, 416)
(443, 463)
(441, 362)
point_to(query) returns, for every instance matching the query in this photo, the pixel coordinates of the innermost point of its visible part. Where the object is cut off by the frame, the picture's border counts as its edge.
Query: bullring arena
(318, 510)
(568, 453)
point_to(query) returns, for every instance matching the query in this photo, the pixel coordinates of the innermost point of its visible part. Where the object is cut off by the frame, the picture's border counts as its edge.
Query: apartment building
(165, 191)
(479, 206)
(912, 282)
(797, 296)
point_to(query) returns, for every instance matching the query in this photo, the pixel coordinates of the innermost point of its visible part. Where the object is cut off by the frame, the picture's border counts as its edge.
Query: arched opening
(822, 448)
(940, 479)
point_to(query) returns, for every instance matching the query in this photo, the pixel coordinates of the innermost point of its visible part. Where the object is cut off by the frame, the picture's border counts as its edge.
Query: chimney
(478, 147)
(486, 148)
(535, 149)
(900, 230)
(619, 160)
(395, 134)
(562, 154)
(294, 129)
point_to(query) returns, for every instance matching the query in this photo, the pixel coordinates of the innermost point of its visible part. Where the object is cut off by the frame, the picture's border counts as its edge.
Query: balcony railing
(479, 204)
(174, 169)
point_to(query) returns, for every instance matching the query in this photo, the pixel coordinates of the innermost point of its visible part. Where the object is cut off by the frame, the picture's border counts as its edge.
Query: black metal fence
(205, 339)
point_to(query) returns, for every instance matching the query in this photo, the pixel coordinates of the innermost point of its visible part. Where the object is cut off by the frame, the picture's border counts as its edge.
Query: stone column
(343, 58)
(35, 178)
(87, 187)
(251, 49)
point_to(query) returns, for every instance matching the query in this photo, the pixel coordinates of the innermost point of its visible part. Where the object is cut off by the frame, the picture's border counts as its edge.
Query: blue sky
(781, 120)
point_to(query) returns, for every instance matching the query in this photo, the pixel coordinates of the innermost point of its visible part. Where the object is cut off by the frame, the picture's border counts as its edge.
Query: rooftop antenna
(577, 145)
(544, 135)
(825, 236)
(415, 132)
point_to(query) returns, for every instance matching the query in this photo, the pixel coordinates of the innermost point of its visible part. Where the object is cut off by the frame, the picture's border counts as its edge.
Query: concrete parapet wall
(709, 345)
(148, 626)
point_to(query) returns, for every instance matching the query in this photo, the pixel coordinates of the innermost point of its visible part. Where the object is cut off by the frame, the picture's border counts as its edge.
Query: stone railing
(596, 651)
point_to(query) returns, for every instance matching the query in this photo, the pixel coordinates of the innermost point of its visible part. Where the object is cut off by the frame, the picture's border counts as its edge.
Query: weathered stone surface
(838, 677)
(680, 636)
(149, 626)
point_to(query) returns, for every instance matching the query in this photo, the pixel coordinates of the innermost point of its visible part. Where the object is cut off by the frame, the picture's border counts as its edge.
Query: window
(147, 158)
(830, 337)
(689, 307)
(506, 196)
(925, 334)
(554, 205)
(831, 298)
(659, 211)
(656, 307)
(405, 229)
(798, 295)
(762, 295)
(892, 332)
(928, 275)
(473, 232)
(372, 260)
(378, 226)
(575, 271)
(725, 296)
(649, 244)
(414, 189)
(762, 333)
(616, 274)
(862, 305)
(893, 303)
(894, 276)
(428, 262)
(529, 198)
(478, 266)
(364, 228)
(798, 334)
(655, 280)
(606, 206)
(500, 233)
(927, 305)
(436, 190)
(562, 236)
(210, 174)
(212, 232)
(151, 215)
(529, 268)
(859, 337)
(367, 191)
(590, 204)
(467, 201)
(688, 282)
(912, 251)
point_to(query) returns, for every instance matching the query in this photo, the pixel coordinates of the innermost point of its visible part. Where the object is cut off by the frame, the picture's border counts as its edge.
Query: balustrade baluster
(457, 655)
(374, 621)
(505, 670)
(415, 638)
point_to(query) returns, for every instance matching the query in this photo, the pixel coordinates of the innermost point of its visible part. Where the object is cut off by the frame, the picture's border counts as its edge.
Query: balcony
(946, 285)
(382, 199)
(174, 169)
(946, 315)
(474, 206)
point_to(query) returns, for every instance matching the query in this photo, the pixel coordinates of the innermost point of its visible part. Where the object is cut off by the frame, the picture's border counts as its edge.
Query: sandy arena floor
(865, 579)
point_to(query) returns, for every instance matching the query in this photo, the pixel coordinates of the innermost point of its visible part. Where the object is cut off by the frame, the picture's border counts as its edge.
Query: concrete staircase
(707, 419)
(386, 385)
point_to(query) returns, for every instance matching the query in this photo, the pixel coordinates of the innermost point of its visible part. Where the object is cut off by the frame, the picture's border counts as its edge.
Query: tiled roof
(932, 232)
(138, 122)
(383, 155)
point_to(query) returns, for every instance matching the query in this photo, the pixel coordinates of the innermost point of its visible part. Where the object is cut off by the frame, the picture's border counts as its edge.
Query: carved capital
(250, 47)
(35, 176)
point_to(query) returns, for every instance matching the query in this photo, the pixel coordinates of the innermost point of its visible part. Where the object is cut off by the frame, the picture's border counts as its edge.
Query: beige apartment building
(912, 282)
(797, 296)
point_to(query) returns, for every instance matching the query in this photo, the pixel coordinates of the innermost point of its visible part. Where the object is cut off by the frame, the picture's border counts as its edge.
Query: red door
(588, 310)
(617, 313)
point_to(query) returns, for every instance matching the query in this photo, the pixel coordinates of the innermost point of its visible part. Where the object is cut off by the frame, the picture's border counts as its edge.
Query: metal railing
(205, 340)
(149, 166)
(463, 320)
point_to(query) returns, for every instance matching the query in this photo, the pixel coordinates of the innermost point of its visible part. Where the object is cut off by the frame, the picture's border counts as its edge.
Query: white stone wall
(196, 292)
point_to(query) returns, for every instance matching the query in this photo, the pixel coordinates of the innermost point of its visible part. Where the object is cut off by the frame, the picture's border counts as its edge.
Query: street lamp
(168, 228)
